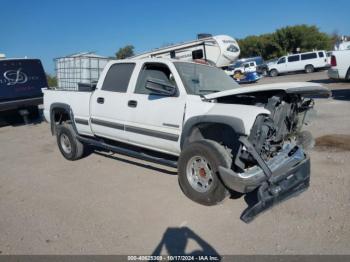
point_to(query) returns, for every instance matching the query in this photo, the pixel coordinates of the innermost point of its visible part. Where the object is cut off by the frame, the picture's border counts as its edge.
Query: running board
(128, 152)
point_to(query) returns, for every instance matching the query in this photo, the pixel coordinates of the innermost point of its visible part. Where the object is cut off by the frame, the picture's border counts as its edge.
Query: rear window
(293, 58)
(308, 56)
(320, 54)
(118, 77)
(21, 78)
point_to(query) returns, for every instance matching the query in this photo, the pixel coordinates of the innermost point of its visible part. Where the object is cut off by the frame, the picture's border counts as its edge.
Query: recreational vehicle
(220, 50)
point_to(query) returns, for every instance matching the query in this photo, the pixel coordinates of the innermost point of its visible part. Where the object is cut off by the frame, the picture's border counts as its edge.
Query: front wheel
(198, 172)
(273, 73)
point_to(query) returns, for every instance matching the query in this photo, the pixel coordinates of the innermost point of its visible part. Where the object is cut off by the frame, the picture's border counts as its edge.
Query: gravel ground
(111, 204)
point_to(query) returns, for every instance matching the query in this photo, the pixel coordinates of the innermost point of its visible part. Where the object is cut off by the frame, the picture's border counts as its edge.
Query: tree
(285, 40)
(51, 80)
(125, 52)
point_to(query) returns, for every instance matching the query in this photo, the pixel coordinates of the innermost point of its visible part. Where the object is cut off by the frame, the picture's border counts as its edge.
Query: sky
(49, 29)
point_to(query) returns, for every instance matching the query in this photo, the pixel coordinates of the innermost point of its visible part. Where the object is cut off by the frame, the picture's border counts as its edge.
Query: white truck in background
(340, 65)
(220, 136)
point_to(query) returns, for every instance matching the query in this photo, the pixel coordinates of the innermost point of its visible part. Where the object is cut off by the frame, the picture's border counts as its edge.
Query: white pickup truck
(223, 138)
(340, 65)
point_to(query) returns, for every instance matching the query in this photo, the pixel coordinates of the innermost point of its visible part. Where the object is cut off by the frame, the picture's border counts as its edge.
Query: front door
(156, 120)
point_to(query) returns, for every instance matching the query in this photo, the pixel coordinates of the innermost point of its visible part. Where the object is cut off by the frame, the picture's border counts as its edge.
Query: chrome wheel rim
(199, 174)
(65, 144)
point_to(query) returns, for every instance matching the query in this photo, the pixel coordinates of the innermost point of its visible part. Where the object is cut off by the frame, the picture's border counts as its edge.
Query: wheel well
(309, 65)
(58, 116)
(219, 132)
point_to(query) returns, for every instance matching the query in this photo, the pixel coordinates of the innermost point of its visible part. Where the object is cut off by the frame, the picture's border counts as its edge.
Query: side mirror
(159, 88)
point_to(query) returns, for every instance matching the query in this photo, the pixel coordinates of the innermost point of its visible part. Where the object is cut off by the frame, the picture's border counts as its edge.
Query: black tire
(347, 77)
(273, 73)
(215, 155)
(309, 69)
(66, 133)
(34, 112)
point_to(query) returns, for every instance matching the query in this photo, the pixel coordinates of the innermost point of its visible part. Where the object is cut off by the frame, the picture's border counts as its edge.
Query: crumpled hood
(302, 88)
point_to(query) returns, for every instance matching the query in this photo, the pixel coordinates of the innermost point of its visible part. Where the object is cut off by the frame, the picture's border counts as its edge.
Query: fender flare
(235, 123)
(65, 108)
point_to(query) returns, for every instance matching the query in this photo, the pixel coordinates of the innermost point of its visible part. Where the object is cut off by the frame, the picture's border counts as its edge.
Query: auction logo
(15, 77)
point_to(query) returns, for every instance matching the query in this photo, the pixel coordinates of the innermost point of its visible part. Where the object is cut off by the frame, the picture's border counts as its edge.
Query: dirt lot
(111, 204)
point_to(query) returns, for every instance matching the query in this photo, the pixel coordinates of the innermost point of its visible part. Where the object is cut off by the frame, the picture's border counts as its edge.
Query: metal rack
(78, 68)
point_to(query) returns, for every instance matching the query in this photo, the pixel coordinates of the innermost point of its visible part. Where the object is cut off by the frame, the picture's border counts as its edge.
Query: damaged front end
(271, 161)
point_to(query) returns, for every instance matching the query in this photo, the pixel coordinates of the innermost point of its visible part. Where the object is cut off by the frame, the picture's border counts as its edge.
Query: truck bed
(77, 101)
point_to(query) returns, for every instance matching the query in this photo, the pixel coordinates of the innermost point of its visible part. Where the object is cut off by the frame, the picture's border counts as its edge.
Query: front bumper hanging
(278, 179)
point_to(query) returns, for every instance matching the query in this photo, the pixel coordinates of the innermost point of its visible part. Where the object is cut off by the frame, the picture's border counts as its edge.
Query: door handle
(100, 100)
(132, 103)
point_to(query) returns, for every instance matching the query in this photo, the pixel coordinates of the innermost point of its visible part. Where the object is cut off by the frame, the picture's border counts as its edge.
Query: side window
(308, 56)
(118, 77)
(282, 60)
(246, 65)
(293, 58)
(251, 64)
(153, 71)
(320, 54)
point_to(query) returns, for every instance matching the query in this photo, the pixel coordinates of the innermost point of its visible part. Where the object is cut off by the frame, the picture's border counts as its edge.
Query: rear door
(309, 59)
(294, 63)
(108, 105)
(21, 78)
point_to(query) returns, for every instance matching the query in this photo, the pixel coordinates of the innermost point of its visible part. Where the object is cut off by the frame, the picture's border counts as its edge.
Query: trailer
(220, 50)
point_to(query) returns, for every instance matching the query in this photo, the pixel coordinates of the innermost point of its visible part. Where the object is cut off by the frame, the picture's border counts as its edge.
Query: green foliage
(285, 40)
(125, 52)
(51, 80)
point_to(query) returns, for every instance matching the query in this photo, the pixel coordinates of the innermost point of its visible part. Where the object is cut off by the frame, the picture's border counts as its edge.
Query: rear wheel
(347, 77)
(198, 172)
(309, 69)
(273, 73)
(34, 112)
(70, 147)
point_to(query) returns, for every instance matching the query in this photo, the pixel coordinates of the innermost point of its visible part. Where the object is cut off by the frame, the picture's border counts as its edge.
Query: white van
(307, 62)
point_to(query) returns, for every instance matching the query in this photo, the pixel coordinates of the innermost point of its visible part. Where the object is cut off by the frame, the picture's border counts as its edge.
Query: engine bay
(270, 132)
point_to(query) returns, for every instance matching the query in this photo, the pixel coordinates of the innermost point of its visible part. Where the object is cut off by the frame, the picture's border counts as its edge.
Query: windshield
(202, 79)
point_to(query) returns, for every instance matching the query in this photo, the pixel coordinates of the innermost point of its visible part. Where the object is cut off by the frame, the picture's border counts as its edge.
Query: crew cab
(340, 65)
(21, 81)
(220, 136)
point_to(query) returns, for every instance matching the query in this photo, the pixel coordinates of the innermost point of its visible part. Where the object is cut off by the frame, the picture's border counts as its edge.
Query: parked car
(340, 65)
(245, 65)
(219, 135)
(308, 62)
(241, 68)
(21, 81)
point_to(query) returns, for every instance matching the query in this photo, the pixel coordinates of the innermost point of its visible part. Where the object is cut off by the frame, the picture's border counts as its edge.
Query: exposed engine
(269, 133)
